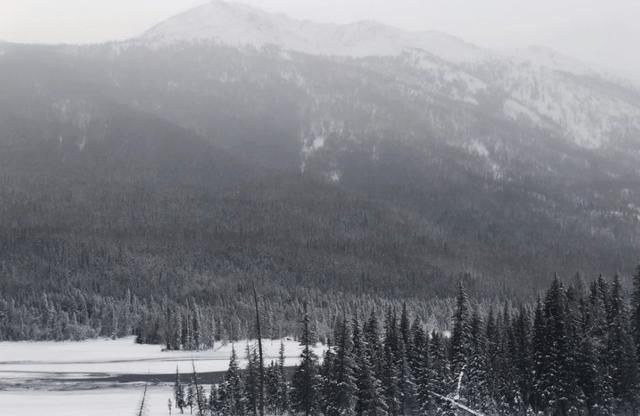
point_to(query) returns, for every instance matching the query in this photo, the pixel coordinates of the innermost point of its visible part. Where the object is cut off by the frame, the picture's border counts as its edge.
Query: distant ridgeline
(573, 352)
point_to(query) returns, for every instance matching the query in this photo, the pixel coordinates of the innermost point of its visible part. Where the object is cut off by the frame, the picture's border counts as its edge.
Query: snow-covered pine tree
(282, 403)
(390, 381)
(405, 328)
(214, 400)
(271, 389)
(635, 310)
(369, 392)
(191, 395)
(475, 386)
(621, 352)
(328, 385)
(178, 392)
(231, 392)
(342, 396)
(305, 383)
(406, 383)
(539, 348)
(420, 365)
(252, 381)
(371, 334)
(522, 355)
(461, 336)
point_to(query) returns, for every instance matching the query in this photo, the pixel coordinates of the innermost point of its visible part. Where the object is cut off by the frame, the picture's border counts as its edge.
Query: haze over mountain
(227, 143)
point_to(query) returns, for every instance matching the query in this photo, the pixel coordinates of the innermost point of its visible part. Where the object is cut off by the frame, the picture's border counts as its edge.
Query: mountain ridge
(240, 25)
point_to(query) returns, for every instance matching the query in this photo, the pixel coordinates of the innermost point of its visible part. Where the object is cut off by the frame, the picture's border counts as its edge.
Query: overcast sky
(599, 31)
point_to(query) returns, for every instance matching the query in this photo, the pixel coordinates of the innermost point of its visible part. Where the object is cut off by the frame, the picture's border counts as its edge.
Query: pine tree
(475, 386)
(191, 395)
(327, 384)
(178, 392)
(342, 384)
(369, 390)
(405, 330)
(522, 356)
(421, 365)
(231, 391)
(635, 310)
(371, 334)
(406, 383)
(390, 380)
(252, 382)
(621, 352)
(271, 389)
(305, 384)
(282, 399)
(539, 347)
(461, 336)
(440, 381)
(214, 400)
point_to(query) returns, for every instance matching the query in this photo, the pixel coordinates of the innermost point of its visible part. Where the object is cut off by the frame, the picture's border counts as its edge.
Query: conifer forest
(573, 352)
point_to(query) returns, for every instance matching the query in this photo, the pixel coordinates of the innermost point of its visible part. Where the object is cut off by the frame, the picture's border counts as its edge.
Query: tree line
(573, 352)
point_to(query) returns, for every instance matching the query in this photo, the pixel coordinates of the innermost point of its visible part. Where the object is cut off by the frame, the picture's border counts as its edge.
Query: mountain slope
(549, 91)
(403, 185)
(184, 166)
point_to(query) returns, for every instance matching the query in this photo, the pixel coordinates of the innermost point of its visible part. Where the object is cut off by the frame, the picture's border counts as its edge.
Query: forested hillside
(168, 176)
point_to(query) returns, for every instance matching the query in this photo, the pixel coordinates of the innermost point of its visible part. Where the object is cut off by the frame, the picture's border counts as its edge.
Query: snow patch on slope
(590, 118)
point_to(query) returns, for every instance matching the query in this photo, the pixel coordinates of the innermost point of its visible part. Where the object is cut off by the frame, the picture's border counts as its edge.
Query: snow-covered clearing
(69, 378)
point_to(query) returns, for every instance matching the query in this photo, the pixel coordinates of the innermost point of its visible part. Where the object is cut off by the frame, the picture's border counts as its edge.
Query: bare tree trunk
(143, 402)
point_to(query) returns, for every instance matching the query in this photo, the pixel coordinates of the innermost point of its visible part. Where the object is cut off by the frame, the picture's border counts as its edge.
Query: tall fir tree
(369, 392)
(305, 397)
(461, 336)
(231, 395)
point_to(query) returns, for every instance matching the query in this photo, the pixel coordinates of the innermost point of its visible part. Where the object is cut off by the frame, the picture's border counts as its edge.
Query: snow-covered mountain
(586, 106)
(240, 25)
(354, 137)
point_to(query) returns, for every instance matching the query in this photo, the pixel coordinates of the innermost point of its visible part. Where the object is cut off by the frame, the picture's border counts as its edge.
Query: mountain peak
(241, 25)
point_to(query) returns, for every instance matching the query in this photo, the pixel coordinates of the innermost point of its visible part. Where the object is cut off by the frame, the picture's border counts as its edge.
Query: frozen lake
(106, 377)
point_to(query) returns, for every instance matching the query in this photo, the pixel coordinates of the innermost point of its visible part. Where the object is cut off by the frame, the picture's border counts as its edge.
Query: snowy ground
(82, 377)
(101, 402)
